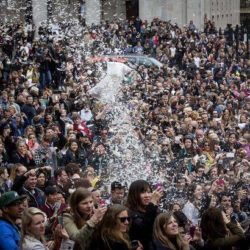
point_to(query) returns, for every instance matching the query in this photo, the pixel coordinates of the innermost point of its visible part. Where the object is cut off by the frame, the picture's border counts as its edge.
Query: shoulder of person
(157, 245)
(31, 243)
(6, 225)
(68, 216)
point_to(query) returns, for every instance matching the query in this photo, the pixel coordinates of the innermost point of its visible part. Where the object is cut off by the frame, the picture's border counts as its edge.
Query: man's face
(29, 100)
(52, 198)
(117, 195)
(226, 202)
(15, 210)
(31, 182)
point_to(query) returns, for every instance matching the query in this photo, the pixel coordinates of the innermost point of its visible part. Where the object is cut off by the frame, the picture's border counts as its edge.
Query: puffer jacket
(9, 235)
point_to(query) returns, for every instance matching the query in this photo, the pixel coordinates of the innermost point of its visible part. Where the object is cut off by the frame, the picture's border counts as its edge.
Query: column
(39, 13)
(93, 12)
(148, 9)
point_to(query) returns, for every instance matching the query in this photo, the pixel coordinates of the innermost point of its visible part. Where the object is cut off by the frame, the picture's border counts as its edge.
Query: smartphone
(230, 155)
(134, 244)
(60, 220)
(192, 230)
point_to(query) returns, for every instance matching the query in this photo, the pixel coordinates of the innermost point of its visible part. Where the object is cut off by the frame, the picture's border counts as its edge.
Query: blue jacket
(9, 236)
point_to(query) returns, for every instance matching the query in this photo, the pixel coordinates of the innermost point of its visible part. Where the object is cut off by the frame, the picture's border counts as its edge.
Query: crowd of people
(190, 117)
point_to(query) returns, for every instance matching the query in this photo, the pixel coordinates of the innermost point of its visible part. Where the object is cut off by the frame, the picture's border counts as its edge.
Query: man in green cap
(12, 208)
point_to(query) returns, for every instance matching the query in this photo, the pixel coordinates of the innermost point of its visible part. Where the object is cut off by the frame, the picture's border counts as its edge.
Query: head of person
(21, 147)
(166, 228)
(73, 145)
(51, 194)
(117, 192)
(4, 175)
(33, 223)
(81, 204)
(139, 195)
(212, 224)
(12, 205)
(225, 200)
(115, 224)
(31, 181)
(61, 176)
(17, 170)
(195, 192)
(175, 206)
(41, 178)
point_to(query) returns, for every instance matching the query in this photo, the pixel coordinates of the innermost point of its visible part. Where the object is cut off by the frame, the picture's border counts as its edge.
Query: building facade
(181, 12)
(245, 13)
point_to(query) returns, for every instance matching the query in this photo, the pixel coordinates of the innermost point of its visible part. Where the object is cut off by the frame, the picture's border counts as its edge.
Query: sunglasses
(123, 219)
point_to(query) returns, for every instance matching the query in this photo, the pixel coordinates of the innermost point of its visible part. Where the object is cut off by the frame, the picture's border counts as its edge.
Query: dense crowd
(58, 149)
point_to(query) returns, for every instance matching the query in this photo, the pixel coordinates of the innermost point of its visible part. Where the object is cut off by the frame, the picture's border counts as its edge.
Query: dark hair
(72, 168)
(58, 172)
(135, 189)
(212, 224)
(191, 190)
(181, 218)
(226, 194)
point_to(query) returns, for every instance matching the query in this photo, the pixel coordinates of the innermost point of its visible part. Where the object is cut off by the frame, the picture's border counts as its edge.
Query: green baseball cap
(10, 197)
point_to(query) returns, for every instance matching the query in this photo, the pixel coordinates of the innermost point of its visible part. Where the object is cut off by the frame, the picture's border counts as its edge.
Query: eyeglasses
(123, 219)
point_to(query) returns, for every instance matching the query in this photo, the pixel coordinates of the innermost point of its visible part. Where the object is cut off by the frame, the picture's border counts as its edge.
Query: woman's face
(32, 137)
(145, 197)
(171, 227)
(74, 146)
(188, 143)
(41, 179)
(37, 227)
(123, 221)
(176, 207)
(232, 138)
(198, 192)
(85, 207)
(22, 148)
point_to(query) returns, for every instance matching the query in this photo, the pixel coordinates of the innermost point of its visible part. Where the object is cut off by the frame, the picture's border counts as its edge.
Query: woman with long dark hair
(218, 231)
(73, 155)
(83, 217)
(112, 232)
(143, 206)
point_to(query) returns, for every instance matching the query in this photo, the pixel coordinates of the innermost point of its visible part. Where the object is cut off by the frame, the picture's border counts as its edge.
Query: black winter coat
(142, 225)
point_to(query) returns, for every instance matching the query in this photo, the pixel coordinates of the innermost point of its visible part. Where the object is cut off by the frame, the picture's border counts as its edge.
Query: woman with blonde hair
(166, 234)
(33, 229)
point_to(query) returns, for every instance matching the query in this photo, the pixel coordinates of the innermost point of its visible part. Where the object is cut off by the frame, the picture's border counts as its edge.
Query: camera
(134, 244)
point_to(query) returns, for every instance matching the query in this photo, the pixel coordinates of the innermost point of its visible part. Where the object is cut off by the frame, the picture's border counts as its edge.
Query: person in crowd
(215, 226)
(192, 207)
(23, 155)
(117, 193)
(33, 229)
(80, 223)
(52, 208)
(12, 207)
(112, 231)
(26, 185)
(73, 154)
(42, 179)
(166, 234)
(5, 182)
(143, 207)
(62, 181)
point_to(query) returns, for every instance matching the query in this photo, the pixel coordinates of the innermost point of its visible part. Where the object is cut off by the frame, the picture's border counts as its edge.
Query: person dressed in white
(191, 208)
